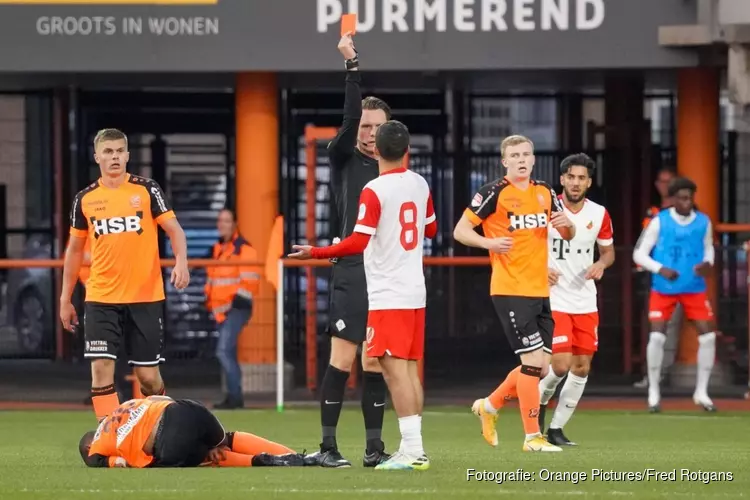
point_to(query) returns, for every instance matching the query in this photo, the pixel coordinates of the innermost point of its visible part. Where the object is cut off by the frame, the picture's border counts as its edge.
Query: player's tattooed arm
(559, 220)
(606, 259)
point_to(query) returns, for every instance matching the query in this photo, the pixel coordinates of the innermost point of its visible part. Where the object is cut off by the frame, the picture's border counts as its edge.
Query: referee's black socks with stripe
(373, 409)
(331, 400)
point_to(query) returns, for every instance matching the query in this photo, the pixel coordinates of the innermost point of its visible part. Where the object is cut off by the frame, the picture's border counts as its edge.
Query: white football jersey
(572, 293)
(394, 208)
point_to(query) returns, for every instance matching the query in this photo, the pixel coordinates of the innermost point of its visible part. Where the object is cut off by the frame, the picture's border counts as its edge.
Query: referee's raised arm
(342, 146)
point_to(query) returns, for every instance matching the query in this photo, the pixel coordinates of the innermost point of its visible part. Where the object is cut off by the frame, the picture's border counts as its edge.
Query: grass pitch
(39, 459)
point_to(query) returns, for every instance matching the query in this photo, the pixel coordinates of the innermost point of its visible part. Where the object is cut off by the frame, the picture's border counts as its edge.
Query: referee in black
(353, 165)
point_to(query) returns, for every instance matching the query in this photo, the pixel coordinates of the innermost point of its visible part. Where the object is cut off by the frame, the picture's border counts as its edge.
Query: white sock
(706, 356)
(548, 385)
(654, 358)
(411, 435)
(488, 406)
(570, 395)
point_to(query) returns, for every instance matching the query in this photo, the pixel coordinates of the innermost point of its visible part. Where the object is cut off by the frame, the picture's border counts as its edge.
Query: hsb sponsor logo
(117, 225)
(527, 221)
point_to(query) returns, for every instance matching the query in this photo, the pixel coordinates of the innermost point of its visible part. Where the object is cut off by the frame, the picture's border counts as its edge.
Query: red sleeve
(369, 212)
(351, 245)
(430, 229)
(606, 233)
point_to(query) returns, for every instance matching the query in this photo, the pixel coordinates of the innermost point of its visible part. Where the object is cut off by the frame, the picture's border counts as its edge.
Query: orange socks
(105, 401)
(250, 444)
(506, 390)
(528, 398)
(233, 459)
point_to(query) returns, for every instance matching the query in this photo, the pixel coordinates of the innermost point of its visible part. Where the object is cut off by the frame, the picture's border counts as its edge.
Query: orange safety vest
(225, 283)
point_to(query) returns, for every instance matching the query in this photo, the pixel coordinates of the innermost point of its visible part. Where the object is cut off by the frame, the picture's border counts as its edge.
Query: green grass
(39, 459)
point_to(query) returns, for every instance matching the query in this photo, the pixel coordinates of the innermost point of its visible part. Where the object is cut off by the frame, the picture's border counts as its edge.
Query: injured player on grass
(161, 432)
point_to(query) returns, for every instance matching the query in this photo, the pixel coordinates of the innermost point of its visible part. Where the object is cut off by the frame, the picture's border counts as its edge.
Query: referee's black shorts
(348, 306)
(526, 321)
(187, 432)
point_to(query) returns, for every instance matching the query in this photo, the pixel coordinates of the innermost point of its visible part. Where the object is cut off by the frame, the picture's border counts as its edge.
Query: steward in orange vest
(229, 295)
(231, 286)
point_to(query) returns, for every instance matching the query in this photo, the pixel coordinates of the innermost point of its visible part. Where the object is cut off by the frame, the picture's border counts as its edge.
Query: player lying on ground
(161, 432)
(572, 272)
(395, 214)
(515, 213)
(683, 255)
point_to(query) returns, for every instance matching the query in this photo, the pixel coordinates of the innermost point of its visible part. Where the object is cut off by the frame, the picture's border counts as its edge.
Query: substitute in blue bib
(683, 255)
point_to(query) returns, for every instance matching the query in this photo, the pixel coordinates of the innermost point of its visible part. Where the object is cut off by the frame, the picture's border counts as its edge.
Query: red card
(348, 24)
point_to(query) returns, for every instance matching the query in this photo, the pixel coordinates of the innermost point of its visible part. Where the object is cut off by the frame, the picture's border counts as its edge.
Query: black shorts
(140, 326)
(349, 305)
(527, 322)
(187, 432)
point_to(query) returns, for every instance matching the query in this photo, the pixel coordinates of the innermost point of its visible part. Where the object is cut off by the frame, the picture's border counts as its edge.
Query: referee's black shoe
(374, 458)
(330, 458)
(556, 437)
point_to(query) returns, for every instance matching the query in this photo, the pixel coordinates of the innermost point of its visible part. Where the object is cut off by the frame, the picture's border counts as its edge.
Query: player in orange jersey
(514, 213)
(161, 432)
(119, 214)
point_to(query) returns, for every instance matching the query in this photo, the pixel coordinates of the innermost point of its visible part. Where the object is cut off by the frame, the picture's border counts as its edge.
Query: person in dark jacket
(353, 165)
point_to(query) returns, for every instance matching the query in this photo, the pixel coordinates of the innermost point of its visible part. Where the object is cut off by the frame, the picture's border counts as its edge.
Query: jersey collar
(101, 184)
(400, 170)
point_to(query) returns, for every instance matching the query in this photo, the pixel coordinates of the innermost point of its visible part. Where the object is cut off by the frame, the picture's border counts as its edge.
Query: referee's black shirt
(350, 169)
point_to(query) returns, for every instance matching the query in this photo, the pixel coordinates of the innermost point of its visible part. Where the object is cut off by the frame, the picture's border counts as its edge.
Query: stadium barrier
(461, 325)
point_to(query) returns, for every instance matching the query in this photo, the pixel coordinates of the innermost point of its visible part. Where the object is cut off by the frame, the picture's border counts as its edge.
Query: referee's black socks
(331, 400)
(373, 409)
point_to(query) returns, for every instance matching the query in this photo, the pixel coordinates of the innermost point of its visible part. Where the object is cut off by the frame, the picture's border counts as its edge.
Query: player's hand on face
(553, 276)
(217, 454)
(499, 245)
(68, 315)
(559, 219)
(595, 272)
(303, 252)
(669, 274)
(180, 275)
(346, 46)
(703, 269)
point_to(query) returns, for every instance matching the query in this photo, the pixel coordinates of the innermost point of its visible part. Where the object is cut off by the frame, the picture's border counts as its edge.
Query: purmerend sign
(301, 35)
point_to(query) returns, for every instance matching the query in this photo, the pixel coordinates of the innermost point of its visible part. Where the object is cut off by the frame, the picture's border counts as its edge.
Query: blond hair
(110, 134)
(513, 140)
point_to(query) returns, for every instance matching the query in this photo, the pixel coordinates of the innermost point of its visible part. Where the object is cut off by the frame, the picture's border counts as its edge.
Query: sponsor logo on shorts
(340, 325)
(96, 346)
(532, 339)
(370, 334)
(560, 339)
(655, 315)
